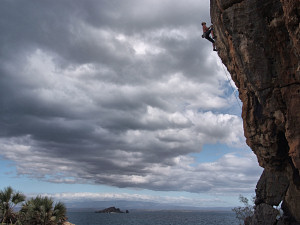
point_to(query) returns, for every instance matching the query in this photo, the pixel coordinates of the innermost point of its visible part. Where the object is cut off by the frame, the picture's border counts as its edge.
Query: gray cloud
(111, 92)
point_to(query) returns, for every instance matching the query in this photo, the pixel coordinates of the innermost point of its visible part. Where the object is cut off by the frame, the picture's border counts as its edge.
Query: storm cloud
(114, 92)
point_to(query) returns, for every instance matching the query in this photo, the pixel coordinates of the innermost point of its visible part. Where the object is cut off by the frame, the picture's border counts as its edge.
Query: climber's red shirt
(205, 28)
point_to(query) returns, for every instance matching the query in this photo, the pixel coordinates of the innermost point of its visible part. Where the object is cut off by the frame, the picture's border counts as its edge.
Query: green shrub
(244, 212)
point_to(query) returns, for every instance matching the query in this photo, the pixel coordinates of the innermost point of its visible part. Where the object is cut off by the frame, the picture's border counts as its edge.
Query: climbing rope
(229, 81)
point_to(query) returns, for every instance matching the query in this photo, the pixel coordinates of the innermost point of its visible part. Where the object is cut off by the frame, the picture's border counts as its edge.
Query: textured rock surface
(264, 211)
(271, 188)
(68, 223)
(259, 42)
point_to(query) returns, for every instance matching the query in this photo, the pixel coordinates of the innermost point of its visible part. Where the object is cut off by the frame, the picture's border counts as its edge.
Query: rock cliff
(259, 42)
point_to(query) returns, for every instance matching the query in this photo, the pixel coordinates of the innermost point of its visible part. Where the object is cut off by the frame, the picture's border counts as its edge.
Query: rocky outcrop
(68, 223)
(259, 42)
(110, 210)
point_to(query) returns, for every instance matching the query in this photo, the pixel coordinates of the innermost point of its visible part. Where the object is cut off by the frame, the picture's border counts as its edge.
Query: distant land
(110, 210)
(91, 206)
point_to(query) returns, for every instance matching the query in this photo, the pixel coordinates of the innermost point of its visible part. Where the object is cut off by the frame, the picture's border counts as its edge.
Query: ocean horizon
(144, 217)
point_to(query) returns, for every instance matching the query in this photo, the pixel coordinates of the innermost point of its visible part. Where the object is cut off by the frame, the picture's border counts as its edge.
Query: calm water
(154, 218)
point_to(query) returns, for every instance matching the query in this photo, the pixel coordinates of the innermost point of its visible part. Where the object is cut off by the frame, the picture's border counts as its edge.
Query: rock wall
(259, 42)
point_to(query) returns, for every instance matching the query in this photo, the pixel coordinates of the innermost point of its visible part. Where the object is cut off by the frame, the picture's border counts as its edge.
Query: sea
(154, 218)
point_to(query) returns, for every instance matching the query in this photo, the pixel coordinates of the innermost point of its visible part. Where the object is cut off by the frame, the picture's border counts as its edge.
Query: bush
(36, 211)
(40, 210)
(242, 213)
(9, 198)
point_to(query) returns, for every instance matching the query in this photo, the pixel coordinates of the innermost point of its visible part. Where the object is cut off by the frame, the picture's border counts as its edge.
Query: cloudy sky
(118, 99)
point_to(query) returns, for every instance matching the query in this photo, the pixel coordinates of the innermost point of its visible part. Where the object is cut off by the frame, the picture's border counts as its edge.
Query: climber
(206, 32)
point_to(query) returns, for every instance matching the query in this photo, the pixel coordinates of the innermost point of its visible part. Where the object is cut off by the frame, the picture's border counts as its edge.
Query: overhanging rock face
(259, 42)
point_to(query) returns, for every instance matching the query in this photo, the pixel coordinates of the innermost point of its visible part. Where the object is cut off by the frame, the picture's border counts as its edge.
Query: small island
(111, 210)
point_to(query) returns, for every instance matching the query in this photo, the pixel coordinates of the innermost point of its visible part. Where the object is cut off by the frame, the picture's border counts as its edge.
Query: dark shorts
(206, 36)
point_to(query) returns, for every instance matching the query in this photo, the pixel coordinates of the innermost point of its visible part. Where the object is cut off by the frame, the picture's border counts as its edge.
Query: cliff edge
(259, 42)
